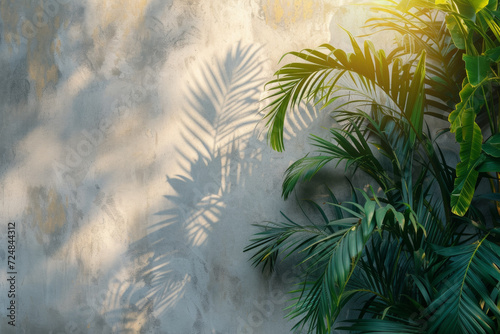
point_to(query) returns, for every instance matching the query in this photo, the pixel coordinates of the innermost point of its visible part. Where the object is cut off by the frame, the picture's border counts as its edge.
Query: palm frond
(350, 147)
(329, 250)
(315, 79)
(369, 326)
(469, 293)
(421, 26)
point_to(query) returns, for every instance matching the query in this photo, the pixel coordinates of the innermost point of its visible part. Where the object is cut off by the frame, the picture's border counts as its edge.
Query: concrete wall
(132, 160)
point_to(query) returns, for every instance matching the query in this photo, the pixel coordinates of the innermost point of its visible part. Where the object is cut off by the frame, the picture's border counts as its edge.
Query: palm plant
(470, 31)
(411, 264)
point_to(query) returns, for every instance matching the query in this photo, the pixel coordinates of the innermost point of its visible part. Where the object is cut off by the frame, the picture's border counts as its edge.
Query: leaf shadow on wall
(216, 156)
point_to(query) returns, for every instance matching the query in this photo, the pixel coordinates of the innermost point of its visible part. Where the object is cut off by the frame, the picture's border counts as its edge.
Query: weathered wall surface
(132, 160)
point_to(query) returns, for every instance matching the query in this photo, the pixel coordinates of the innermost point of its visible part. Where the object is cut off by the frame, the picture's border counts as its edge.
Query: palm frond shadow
(306, 117)
(215, 157)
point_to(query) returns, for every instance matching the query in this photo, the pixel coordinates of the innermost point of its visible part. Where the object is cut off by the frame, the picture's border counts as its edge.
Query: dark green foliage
(417, 256)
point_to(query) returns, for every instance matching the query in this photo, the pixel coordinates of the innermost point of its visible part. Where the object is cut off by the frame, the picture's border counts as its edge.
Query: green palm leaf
(316, 77)
(421, 272)
(369, 326)
(478, 68)
(470, 138)
(351, 147)
(470, 290)
(471, 97)
(331, 256)
(415, 101)
(492, 146)
(421, 28)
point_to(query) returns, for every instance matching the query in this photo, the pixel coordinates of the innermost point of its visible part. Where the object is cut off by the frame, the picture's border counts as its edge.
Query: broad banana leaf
(470, 138)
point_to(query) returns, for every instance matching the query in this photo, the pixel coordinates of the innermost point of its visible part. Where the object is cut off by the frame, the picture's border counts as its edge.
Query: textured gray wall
(132, 160)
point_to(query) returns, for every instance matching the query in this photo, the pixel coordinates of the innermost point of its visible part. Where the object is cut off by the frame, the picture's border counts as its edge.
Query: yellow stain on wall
(46, 209)
(288, 12)
(10, 20)
(307, 8)
(116, 22)
(278, 11)
(42, 34)
(56, 47)
(41, 63)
